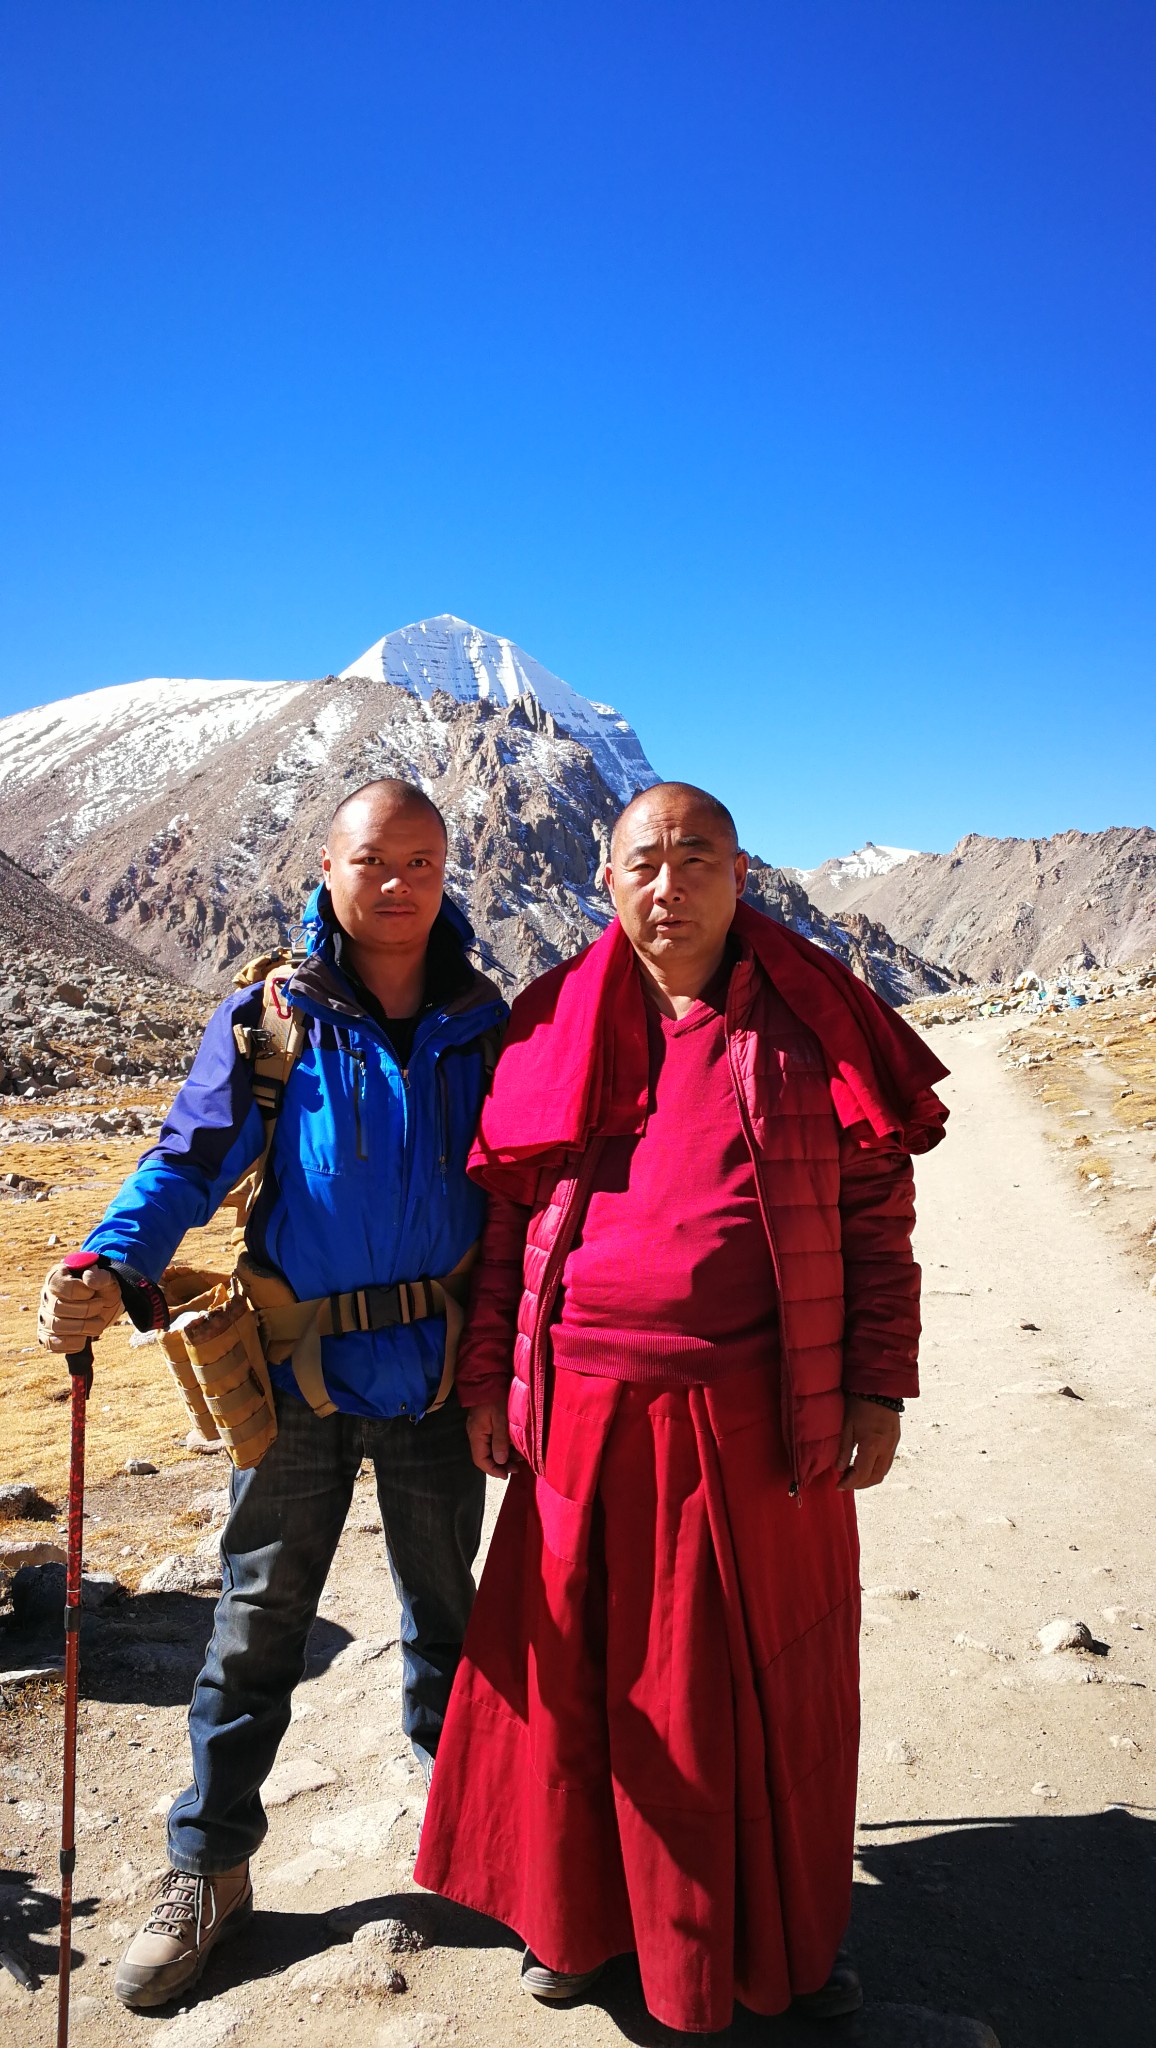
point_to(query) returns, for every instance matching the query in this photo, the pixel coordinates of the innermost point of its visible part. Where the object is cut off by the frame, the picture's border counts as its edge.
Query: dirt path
(1007, 1848)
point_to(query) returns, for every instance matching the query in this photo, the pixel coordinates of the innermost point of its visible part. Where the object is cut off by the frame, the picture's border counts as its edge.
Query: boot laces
(178, 1902)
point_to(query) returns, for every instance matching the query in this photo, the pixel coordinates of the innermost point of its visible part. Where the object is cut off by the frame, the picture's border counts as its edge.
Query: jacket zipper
(443, 1117)
(551, 1275)
(359, 1103)
(787, 1397)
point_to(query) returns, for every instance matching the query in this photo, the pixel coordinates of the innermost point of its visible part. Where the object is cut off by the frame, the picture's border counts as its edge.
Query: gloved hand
(76, 1306)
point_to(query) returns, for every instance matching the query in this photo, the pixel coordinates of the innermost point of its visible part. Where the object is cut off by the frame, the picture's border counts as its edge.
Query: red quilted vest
(817, 1184)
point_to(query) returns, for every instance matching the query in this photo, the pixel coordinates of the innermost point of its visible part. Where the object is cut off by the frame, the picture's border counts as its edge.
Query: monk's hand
(868, 1444)
(489, 1434)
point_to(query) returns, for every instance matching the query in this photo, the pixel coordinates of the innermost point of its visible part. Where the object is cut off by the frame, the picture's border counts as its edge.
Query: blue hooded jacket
(366, 1183)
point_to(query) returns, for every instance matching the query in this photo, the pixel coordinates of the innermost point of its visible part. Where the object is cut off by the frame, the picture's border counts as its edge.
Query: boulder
(183, 1575)
(28, 1550)
(38, 1592)
(1065, 1634)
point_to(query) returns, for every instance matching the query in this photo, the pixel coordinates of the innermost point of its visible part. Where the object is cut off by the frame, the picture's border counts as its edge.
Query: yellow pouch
(213, 1346)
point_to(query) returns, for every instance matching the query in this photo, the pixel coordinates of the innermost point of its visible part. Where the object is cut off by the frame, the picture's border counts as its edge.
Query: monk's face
(385, 869)
(675, 875)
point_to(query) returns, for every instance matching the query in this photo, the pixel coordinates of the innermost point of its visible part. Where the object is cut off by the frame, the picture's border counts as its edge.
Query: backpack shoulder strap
(273, 1046)
(491, 1045)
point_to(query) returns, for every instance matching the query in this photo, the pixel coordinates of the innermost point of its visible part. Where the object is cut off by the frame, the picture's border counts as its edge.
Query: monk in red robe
(694, 1327)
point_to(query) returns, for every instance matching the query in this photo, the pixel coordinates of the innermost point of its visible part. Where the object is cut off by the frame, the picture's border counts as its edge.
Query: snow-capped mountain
(449, 654)
(188, 816)
(845, 871)
(92, 758)
(87, 759)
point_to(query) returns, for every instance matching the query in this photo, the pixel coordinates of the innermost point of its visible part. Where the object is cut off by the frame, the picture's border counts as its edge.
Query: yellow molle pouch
(214, 1348)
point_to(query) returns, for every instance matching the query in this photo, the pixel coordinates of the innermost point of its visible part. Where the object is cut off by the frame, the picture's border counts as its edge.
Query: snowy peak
(107, 749)
(447, 653)
(843, 871)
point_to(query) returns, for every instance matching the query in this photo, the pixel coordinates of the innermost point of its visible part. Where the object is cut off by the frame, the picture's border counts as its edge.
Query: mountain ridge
(996, 908)
(188, 817)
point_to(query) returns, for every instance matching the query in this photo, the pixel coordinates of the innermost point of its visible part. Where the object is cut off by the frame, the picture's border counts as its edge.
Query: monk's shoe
(555, 1985)
(840, 1995)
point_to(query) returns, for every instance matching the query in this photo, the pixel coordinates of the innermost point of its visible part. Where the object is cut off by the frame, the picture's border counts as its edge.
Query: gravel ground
(1007, 1855)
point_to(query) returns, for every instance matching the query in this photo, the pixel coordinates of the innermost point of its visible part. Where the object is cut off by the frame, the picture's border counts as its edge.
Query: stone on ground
(182, 1575)
(202, 2026)
(361, 1831)
(1065, 1634)
(366, 1966)
(289, 1780)
(301, 1870)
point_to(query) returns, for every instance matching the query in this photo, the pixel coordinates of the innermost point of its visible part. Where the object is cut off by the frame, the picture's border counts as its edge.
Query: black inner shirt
(448, 974)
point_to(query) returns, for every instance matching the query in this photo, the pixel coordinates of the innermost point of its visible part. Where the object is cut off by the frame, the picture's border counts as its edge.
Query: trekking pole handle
(144, 1303)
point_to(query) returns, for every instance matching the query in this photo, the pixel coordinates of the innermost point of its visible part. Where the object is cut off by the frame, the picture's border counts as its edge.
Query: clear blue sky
(781, 372)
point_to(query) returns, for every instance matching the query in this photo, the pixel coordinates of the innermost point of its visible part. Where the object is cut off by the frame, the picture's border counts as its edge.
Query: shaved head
(387, 796)
(675, 874)
(384, 867)
(687, 797)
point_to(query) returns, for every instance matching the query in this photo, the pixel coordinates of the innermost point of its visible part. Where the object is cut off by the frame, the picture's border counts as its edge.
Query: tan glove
(74, 1306)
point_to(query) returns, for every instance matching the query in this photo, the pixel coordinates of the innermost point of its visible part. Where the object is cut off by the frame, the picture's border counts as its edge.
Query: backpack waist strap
(292, 1330)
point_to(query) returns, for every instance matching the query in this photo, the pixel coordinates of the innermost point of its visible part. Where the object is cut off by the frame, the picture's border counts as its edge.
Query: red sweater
(670, 1277)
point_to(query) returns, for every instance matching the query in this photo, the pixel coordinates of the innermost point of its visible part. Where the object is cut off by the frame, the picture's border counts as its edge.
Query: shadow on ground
(278, 1940)
(142, 1651)
(29, 1918)
(1040, 1928)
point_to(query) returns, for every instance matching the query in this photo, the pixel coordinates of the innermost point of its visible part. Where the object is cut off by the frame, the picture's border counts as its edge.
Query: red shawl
(574, 1061)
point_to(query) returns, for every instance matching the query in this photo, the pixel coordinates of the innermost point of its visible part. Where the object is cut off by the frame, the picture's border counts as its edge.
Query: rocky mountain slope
(35, 919)
(994, 908)
(189, 817)
(80, 1009)
(893, 970)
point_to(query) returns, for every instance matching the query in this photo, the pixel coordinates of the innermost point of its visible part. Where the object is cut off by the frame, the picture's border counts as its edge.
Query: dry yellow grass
(135, 1410)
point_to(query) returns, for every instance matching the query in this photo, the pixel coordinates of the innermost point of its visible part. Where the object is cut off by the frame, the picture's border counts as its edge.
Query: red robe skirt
(653, 1735)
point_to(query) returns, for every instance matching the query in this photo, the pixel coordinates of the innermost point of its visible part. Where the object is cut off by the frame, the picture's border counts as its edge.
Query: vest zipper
(551, 1274)
(787, 1397)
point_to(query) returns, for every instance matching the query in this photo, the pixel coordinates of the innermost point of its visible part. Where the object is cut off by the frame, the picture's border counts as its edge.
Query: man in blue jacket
(365, 1187)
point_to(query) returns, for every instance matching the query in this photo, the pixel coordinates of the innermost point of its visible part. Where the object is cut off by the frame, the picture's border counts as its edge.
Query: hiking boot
(541, 1982)
(840, 1995)
(189, 1916)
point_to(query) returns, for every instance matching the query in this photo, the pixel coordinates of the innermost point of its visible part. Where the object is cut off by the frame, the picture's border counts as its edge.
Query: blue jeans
(284, 1525)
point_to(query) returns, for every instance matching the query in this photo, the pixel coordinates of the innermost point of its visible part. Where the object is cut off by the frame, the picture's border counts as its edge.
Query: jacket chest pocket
(342, 1113)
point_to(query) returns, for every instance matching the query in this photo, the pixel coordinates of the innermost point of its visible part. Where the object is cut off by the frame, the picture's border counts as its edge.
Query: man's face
(385, 869)
(675, 877)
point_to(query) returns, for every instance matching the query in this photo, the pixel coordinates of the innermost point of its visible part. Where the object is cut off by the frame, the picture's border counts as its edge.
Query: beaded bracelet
(895, 1403)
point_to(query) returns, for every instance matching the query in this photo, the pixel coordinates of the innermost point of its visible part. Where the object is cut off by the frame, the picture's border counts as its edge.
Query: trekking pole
(80, 1367)
(148, 1310)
